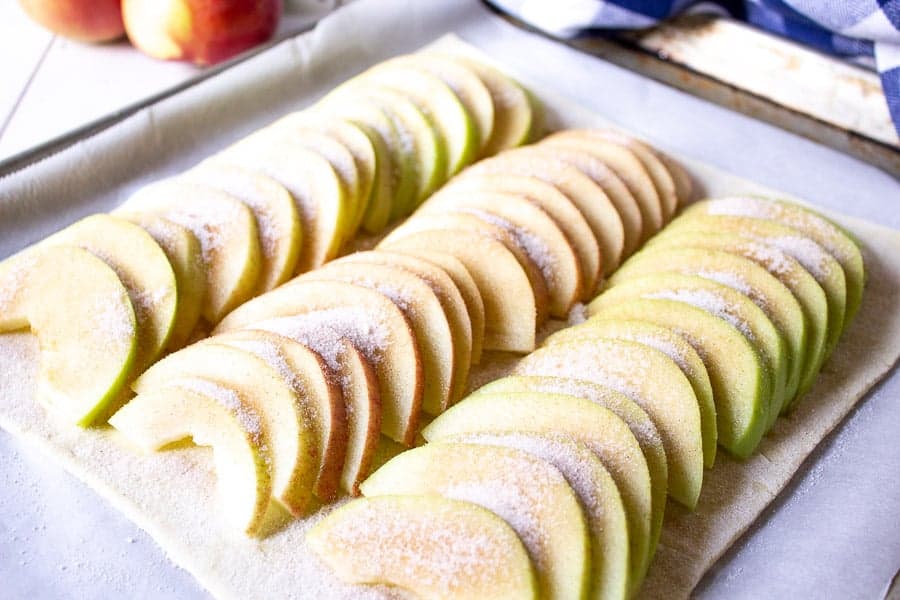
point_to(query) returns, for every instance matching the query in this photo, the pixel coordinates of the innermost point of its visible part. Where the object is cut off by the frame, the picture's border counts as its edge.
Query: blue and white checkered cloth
(845, 28)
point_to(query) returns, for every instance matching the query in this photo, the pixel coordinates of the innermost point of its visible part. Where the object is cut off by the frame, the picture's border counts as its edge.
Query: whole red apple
(82, 20)
(201, 31)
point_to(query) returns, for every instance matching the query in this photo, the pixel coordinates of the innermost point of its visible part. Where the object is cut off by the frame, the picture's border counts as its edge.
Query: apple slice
(354, 138)
(290, 438)
(142, 267)
(186, 257)
(556, 204)
(653, 381)
(394, 169)
(514, 114)
(723, 302)
(215, 416)
(597, 493)
(531, 495)
(537, 233)
(425, 314)
(372, 323)
(84, 322)
(423, 544)
(322, 201)
(483, 225)
(627, 166)
(744, 276)
(791, 273)
(277, 218)
(827, 271)
(227, 232)
(420, 145)
(510, 303)
(451, 301)
(471, 91)
(436, 99)
(630, 213)
(358, 383)
(307, 374)
(638, 421)
(835, 240)
(332, 151)
(577, 419)
(742, 387)
(465, 283)
(663, 180)
(588, 197)
(669, 343)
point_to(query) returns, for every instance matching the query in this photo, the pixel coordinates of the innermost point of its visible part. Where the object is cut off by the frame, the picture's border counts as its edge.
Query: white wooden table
(50, 85)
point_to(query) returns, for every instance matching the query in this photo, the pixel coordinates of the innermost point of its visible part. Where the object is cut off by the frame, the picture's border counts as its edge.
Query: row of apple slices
(189, 249)
(706, 335)
(408, 318)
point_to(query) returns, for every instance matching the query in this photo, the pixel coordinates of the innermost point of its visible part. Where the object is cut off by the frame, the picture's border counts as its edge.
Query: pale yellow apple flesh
(422, 544)
(531, 495)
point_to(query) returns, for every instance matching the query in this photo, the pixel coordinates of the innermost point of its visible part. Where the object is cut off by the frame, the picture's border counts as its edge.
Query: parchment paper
(61, 540)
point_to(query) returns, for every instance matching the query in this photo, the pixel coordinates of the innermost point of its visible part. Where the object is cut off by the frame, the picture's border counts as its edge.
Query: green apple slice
(321, 198)
(227, 232)
(575, 418)
(354, 138)
(419, 143)
(742, 387)
(835, 240)
(290, 438)
(669, 343)
(653, 381)
(663, 180)
(597, 493)
(510, 303)
(436, 99)
(827, 271)
(422, 544)
(514, 113)
(790, 272)
(84, 322)
(724, 302)
(307, 374)
(626, 165)
(638, 421)
(531, 495)
(588, 197)
(471, 91)
(143, 269)
(277, 217)
(213, 416)
(425, 314)
(745, 276)
(468, 289)
(538, 234)
(372, 323)
(556, 204)
(395, 175)
(358, 383)
(634, 228)
(186, 257)
(450, 298)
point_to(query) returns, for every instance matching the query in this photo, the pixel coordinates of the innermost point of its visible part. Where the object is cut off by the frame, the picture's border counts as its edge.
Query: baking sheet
(837, 535)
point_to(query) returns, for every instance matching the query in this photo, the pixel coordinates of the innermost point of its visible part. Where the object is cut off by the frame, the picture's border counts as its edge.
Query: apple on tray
(197, 30)
(81, 20)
